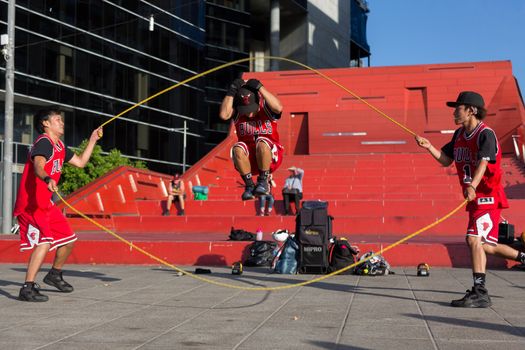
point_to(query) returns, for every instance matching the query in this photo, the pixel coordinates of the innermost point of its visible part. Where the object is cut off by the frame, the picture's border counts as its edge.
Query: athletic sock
(479, 279)
(55, 271)
(263, 175)
(521, 257)
(247, 178)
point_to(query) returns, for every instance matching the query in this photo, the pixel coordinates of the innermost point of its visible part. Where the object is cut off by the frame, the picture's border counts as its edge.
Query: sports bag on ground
(376, 266)
(241, 235)
(341, 255)
(260, 253)
(287, 263)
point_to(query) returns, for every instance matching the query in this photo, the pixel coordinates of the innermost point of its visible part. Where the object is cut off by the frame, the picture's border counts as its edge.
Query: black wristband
(47, 179)
(234, 87)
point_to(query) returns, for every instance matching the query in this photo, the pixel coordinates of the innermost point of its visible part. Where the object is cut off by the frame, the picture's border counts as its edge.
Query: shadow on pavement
(517, 331)
(328, 345)
(72, 273)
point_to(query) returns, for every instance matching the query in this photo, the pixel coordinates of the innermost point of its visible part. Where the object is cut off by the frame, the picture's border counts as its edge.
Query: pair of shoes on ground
(31, 292)
(478, 296)
(262, 213)
(251, 191)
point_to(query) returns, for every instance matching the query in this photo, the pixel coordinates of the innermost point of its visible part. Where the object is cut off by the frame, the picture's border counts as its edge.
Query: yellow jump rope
(227, 285)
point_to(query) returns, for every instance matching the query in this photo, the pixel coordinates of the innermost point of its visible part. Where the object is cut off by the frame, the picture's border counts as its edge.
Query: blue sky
(405, 32)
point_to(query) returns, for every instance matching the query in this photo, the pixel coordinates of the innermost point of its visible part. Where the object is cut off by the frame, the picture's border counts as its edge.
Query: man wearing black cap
(255, 112)
(476, 153)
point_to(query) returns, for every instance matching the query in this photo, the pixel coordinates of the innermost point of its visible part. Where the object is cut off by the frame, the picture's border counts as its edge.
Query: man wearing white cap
(293, 189)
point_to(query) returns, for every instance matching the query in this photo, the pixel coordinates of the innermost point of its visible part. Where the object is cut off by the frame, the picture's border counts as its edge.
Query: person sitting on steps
(293, 189)
(175, 191)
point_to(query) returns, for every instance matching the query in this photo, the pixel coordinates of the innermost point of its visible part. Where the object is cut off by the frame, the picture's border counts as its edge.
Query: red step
(191, 249)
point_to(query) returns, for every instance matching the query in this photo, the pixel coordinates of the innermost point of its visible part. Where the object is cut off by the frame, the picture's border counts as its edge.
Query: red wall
(414, 96)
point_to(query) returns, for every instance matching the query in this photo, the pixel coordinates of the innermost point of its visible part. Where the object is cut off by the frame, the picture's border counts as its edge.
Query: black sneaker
(478, 296)
(32, 293)
(181, 213)
(248, 193)
(262, 188)
(56, 280)
(165, 213)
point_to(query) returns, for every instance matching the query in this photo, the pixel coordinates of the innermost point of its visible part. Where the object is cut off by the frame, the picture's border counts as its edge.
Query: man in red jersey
(255, 112)
(476, 153)
(42, 226)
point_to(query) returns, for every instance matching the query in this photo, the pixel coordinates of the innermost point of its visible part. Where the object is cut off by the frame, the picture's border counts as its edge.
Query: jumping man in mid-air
(255, 112)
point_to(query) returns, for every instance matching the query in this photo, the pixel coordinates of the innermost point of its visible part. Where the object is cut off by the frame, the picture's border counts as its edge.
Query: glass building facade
(98, 58)
(227, 39)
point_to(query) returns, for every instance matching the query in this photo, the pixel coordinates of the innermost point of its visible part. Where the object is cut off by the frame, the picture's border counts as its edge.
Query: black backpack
(241, 235)
(260, 253)
(287, 263)
(341, 255)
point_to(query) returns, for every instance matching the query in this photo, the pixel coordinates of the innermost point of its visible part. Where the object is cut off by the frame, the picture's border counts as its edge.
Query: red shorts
(484, 223)
(250, 151)
(44, 227)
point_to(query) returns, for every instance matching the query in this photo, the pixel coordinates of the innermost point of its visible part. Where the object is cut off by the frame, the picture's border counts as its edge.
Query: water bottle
(259, 234)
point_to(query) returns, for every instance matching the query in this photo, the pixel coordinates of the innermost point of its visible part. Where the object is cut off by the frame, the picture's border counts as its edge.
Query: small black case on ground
(505, 233)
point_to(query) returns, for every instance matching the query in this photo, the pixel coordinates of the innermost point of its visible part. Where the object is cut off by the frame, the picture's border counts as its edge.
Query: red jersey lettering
(262, 123)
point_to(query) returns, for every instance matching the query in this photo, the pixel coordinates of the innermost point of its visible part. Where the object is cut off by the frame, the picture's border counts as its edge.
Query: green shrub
(99, 164)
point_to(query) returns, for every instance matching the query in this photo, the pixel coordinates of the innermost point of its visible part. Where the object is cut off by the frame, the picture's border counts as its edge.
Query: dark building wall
(227, 39)
(99, 58)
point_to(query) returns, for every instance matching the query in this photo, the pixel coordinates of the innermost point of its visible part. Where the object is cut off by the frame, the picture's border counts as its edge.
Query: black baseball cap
(246, 101)
(469, 98)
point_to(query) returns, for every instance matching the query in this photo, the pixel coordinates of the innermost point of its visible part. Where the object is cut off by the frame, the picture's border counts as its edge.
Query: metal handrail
(18, 145)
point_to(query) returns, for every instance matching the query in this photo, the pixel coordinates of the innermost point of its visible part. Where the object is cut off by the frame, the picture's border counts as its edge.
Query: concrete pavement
(150, 307)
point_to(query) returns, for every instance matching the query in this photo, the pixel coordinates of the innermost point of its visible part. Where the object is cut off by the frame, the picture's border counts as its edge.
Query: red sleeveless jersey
(489, 192)
(33, 193)
(263, 123)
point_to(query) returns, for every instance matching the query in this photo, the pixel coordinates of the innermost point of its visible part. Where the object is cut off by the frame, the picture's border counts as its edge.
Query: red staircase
(380, 186)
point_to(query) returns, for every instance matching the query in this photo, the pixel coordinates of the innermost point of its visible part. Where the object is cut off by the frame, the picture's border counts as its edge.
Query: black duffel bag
(241, 235)
(260, 253)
